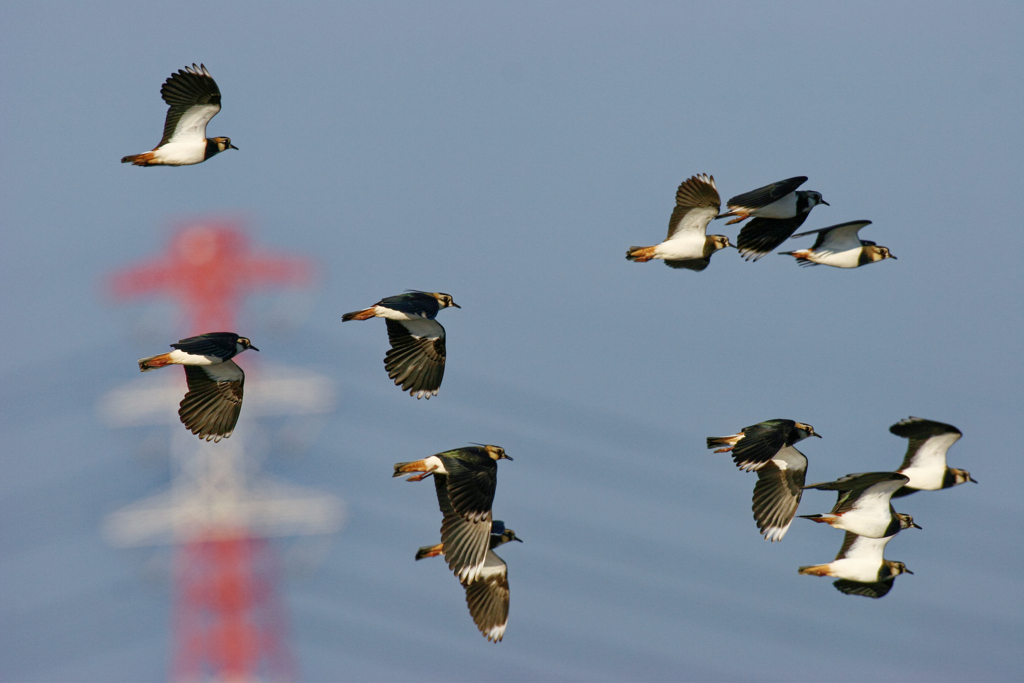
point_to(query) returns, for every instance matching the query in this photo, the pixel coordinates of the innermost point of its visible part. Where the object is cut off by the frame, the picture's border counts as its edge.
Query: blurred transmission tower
(229, 623)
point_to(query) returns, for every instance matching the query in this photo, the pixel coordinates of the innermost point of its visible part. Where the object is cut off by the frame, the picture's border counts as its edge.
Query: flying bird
(210, 408)
(860, 567)
(767, 448)
(487, 597)
(417, 355)
(925, 462)
(465, 480)
(778, 210)
(688, 245)
(863, 505)
(839, 246)
(193, 98)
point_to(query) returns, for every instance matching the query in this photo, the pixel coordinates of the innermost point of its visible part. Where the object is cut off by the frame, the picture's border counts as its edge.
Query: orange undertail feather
(430, 551)
(800, 253)
(138, 159)
(640, 254)
(814, 570)
(416, 466)
(154, 362)
(741, 215)
(364, 314)
(819, 519)
(727, 442)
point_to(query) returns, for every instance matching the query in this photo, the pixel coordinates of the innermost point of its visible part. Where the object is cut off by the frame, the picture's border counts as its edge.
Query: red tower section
(229, 623)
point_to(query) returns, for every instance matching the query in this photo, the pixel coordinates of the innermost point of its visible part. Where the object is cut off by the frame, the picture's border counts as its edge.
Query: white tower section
(213, 492)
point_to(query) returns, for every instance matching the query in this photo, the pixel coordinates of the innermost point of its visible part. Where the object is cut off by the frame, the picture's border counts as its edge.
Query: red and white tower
(229, 622)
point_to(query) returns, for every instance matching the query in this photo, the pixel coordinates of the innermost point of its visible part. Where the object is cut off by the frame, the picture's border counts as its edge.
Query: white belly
(179, 356)
(783, 208)
(926, 478)
(383, 312)
(840, 259)
(868, 523)
(181, 153)
(856, 569)
(681, 248)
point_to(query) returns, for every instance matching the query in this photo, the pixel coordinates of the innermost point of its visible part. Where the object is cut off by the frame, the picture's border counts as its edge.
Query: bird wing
(929, 441)
(412, 303)
(778, 491)
(760, 443)
(836, 238)
(697, 264)
(487, 598)
(697, 203)
(868, 590)
(217, 344)
(862, 548)
(763, 196)
(193, 98)
(211, 407)
(761, 235)
(417, 356)
(466, 541)
(863, 491)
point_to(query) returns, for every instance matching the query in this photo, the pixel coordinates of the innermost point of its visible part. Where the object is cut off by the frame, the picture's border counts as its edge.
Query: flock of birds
(863, 509)
(465, 479)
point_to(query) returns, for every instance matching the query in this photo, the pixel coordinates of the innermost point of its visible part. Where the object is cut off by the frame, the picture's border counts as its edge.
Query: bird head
(223, 144)
(444, 300)
(496, 452)
(721, 242)
(880, 253)
(244, 344)
(806, 430)
(906, 521)
(961, 476)
(813, 199)
(898, 568)
(509, 535)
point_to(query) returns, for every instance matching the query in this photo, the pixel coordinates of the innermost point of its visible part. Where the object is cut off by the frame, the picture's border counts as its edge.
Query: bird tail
(154, 362)
(430, 551)
(640, 254)
(402, 468)
(138, 159)
(726, 442)
(359, 315)
(814, 570)
(822, 519)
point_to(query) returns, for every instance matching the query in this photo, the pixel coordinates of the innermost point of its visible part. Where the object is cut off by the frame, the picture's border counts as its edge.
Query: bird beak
(253, 348)
(732, 245)
(817, 435)
(456, 305)
(907, 571)
(970, 478)
(825, 203)
(893, 257)
(232, 146)
(505, 457)
(914, 524)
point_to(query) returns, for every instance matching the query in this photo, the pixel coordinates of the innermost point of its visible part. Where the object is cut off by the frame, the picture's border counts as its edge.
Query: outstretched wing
(763, 196)
(778, 491)
(417, 356)
(929, 441)
(697, 203)
(193, 98)
(216, 344)
(760, 443)
(761, 235)
(211, 407)
(837, 238)
(868, 590)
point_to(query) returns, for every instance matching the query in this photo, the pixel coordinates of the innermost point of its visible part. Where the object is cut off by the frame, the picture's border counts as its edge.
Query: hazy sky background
(508, 155)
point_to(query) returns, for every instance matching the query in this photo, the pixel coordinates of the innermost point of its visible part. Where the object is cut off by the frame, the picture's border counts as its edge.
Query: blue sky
(509, 155)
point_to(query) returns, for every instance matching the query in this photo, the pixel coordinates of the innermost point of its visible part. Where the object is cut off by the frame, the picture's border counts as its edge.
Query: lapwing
(688, 245)
(487, 597)
(210, 408)
(860, 567)
(839, 246)
(925, 462)
(193, 98)
(778, 210)
(767, 448)
(465, 479)
(417, 355)
(863, 505)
